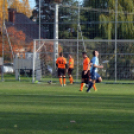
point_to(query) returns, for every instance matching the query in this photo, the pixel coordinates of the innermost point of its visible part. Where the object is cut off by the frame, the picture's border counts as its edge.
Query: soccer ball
(50, 82)
(86, 85)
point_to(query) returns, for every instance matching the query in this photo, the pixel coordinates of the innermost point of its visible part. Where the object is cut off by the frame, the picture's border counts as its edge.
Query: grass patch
(27, 108)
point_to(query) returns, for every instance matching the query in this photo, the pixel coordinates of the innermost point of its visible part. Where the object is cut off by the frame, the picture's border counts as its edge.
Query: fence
(116, 57)
(92, 20)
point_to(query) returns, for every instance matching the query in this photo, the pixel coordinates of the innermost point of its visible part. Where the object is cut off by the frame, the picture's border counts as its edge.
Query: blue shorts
(95, 76)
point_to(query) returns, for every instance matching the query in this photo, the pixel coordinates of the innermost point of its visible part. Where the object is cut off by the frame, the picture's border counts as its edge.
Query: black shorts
(70, 70)
(87, 75)
(61, 72)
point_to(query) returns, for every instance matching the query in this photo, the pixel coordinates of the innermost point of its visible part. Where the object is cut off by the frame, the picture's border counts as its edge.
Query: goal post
(34, 61)
(43, 61)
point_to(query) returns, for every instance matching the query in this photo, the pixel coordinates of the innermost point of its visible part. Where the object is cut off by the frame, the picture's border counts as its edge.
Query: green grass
(24, 78)
(27, 108)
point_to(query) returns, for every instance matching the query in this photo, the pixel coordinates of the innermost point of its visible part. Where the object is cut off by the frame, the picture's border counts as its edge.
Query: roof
(29, 27)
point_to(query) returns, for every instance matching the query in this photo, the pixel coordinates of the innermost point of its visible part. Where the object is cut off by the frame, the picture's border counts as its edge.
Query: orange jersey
(86, 62)
(71, 63)
(61, 62)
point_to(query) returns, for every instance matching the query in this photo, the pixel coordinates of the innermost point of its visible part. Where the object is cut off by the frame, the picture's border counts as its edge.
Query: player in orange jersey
(86, 70)
(70, 68)
(61, 63)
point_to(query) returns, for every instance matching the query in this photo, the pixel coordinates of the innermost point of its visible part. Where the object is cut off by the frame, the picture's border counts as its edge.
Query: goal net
(116, 57)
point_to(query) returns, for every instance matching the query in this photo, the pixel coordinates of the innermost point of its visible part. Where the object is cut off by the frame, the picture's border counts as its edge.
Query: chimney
(11, 15)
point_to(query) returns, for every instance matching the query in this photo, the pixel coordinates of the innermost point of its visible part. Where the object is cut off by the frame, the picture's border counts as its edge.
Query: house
(21, 32)
(22, 23)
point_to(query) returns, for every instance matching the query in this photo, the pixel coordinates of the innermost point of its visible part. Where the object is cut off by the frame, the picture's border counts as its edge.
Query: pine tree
(66, 15)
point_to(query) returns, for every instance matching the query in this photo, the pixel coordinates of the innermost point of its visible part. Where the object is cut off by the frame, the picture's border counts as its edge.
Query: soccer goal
(44, 58)
(116, 57)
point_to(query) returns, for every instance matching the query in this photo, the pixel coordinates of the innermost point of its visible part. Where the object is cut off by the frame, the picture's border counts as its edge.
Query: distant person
(86, 70)
(70, 68)
(61, 63)
(95, 77)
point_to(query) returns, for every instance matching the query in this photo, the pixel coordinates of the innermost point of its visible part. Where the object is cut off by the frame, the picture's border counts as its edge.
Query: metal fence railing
(118, 63)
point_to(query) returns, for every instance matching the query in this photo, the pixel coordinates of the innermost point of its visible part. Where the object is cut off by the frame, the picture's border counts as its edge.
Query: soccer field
(27, 108)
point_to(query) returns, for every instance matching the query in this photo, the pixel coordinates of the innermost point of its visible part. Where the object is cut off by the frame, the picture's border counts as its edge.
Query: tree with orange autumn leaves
(18, 37)
(20, 45)
(48, 48)
(21, 7)
(18, 42)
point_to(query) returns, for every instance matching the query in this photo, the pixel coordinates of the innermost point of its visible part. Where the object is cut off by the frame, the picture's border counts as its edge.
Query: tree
(22, 7)
(3, 11)
(100, 20)
(27, 11)
(125, 16)
(18, 42)
(68, 20)
(65, 15)
(90, 18)
(124, 68)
